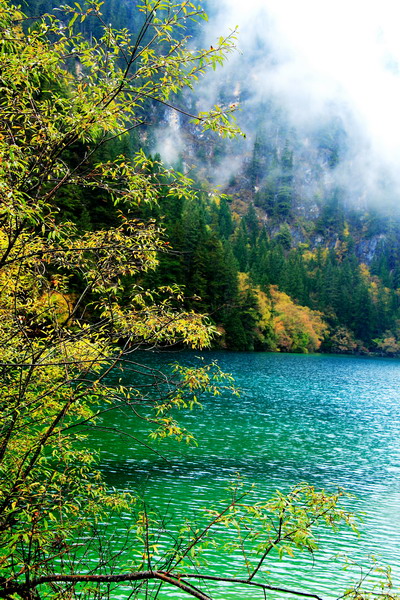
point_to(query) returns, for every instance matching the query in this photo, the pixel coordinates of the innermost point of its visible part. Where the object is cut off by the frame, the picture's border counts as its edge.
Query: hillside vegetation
(279, 222)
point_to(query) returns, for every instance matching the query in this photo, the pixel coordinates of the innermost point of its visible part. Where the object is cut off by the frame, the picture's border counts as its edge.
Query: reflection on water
(328, 420)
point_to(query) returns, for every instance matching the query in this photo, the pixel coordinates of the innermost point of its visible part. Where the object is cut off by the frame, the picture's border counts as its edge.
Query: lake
(328, 420)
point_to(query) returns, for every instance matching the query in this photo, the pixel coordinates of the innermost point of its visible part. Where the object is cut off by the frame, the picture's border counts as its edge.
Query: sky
(321, 60)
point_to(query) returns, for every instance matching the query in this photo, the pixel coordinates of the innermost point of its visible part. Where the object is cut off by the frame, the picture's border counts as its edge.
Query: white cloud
(321, 58)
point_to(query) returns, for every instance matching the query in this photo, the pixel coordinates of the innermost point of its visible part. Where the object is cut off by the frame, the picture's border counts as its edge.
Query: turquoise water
(328, 420)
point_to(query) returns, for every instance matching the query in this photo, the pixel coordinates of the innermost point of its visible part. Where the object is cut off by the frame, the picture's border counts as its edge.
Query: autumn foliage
(282, 325)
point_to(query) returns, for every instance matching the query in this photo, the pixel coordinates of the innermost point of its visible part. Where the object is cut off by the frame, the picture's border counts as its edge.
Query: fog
(318, 63)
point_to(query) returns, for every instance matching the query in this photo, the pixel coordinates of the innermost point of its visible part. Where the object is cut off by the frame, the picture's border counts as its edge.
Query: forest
(270, 278)
(106, 252)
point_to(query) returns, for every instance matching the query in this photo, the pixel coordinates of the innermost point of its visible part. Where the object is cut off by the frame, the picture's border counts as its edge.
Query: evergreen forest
(274, 270)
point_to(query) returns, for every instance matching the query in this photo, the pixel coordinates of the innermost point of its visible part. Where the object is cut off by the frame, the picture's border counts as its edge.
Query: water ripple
(329, 420)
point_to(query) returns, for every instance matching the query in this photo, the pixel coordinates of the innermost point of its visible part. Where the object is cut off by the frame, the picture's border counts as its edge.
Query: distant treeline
(267, 295)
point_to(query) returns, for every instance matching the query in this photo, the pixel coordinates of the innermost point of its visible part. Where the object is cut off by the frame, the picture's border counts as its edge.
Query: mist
(317, 63)
(322, 62)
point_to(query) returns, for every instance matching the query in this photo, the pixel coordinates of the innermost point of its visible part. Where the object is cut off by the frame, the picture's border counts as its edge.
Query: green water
(328, 420)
